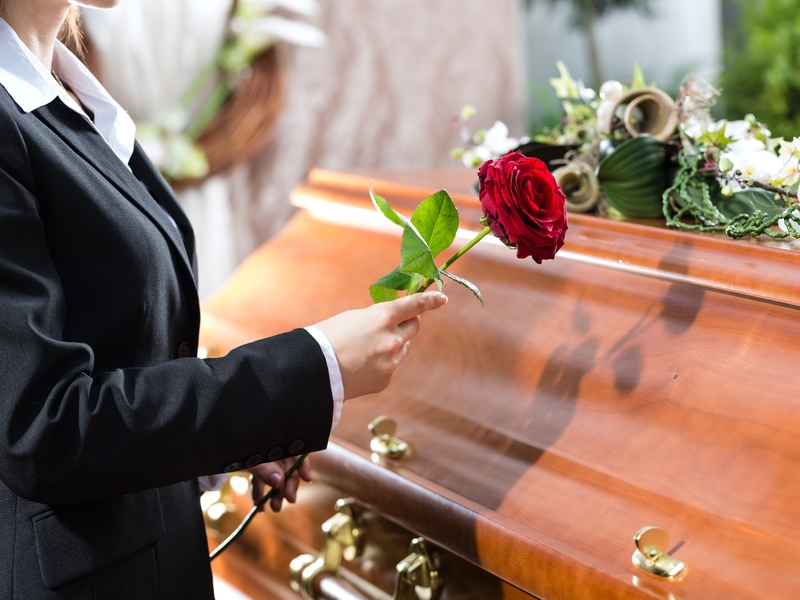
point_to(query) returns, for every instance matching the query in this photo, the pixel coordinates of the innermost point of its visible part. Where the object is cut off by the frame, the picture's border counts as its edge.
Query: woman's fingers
(410, 327)
(273, 475)
(304, 470)
(276, 502)
(256, 489)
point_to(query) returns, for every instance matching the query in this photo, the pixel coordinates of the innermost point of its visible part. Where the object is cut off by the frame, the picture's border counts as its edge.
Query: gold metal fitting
(383, 441)
(417, 579)
(341, 539)
(651, 555)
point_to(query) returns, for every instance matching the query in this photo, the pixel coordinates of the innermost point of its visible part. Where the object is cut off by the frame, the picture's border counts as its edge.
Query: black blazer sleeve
(93, 303)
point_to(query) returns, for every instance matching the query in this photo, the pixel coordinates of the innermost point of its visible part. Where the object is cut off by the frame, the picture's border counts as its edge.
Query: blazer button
(296, 446)
(183, 350)
(253, 461)
(275, 453)
(231, 467)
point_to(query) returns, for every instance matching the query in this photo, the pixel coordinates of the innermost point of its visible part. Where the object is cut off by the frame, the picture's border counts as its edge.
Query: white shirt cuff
(334, 374)
(212, 483)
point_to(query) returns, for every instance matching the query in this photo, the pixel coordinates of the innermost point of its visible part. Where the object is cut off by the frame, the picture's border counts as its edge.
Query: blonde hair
(71, 34)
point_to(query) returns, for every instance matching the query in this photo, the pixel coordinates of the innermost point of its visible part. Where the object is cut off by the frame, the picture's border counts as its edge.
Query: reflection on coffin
(645, 378)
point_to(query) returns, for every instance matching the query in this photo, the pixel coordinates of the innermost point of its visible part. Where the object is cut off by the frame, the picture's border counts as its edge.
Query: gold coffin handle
(651, 555)
(417, 579)
(341, 537)
(384, 442)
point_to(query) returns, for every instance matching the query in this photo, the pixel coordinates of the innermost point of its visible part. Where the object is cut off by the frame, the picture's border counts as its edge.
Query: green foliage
(634, 176)
(416, 255)
(467, 284)
(699, 198)
(386, 287)
(383, 206)
(762, 65)
(430, 231)
(436, 220)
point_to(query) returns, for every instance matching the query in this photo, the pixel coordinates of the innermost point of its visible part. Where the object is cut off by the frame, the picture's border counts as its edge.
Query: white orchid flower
(746, 147)
(790, 170)
(497, 141)
(790, 148)
(264, 31)
(751, 157)
(737, 130)
(475, 157)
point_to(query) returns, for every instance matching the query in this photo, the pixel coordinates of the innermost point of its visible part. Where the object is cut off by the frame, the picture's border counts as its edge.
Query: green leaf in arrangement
(717, 138)
(745, 202)
(634, 176)
(467, 284)
(748, 202)
(415, 255)
(436, 220)
(383, 206)
(386, 288)
(638, 80)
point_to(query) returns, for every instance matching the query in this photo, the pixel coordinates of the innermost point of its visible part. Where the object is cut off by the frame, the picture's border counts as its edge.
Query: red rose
(523, 205)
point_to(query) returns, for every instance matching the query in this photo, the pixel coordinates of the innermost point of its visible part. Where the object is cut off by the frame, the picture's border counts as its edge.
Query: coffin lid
(645, 377)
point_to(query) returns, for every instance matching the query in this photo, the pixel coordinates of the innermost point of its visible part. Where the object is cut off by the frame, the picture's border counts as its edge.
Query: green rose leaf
(383, 206)
(386, 288)
(436, 220)
(415, 254)
(467, 284)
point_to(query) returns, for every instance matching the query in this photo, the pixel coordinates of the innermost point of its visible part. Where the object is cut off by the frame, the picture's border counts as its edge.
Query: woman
(107, 419)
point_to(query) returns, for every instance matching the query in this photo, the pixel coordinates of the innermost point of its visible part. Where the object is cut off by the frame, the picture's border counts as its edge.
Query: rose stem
(427, 282)
(240, 529)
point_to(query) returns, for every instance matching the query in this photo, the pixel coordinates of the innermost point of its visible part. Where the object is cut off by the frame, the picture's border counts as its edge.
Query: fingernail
(274, 479)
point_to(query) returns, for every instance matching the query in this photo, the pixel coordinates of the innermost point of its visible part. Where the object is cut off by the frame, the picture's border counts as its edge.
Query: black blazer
(106, 417)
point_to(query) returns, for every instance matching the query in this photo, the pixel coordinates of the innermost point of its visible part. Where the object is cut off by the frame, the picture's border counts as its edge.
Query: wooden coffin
(646, 377)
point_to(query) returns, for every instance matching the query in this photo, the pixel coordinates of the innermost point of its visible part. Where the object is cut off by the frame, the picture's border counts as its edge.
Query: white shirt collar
(31, 87)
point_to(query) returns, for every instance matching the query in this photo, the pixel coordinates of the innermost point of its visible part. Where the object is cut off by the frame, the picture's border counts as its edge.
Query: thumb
(414, 305)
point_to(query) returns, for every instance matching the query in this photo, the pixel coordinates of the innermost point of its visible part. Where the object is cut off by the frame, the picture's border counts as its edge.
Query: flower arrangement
(174, 141)
(632, 150)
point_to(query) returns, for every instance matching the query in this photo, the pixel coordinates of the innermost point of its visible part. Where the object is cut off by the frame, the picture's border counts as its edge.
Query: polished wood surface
(644, 377)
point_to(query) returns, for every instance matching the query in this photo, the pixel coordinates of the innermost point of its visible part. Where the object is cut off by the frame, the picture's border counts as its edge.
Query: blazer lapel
(87, 142)
(146, 172)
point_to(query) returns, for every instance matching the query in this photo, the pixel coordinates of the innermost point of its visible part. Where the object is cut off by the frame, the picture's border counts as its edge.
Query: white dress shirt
(31, 86)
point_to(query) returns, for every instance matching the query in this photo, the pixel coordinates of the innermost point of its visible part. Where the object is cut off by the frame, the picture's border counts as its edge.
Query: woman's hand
(372, 342)
(369, 344)
(272, 474)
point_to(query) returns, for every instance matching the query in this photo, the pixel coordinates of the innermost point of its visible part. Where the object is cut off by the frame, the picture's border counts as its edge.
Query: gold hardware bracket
(341, 539)
(417, 576)
(384, 443)
(651, 555)
(417, 579)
